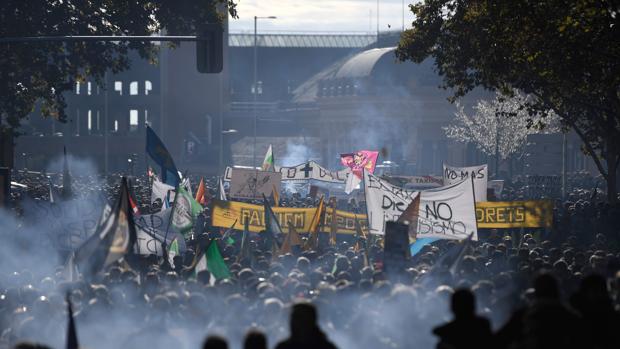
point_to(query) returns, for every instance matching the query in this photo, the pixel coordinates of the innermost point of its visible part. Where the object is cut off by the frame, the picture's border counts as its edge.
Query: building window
(118, 87)
(115, 125)
(89, 122)
(146, 117)
(133, 120)
(77, 88)
(148, 86)
(133, 88)
(89, 88)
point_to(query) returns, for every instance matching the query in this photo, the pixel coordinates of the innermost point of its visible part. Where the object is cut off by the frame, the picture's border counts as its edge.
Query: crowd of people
(538, 288)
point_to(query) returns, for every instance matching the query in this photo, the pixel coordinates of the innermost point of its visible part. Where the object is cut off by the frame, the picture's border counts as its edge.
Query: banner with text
(310, 170)
(480, 174)
(225, 213)
(515, 214)
(385, 202)
(446, 212)
(416, 182)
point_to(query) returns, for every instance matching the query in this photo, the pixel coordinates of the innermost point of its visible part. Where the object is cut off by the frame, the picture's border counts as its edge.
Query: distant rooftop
(302, 40)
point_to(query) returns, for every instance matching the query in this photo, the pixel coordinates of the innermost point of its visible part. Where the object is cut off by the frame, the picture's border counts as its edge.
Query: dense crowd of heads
(538, 288)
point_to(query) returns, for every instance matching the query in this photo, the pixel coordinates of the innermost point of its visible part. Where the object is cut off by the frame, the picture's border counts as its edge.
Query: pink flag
(357, 162)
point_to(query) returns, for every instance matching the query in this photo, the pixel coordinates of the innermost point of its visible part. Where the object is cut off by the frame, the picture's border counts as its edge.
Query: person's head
(546, 287)
(255, 340)
(463, 303)
(215, 342)
(303, 319)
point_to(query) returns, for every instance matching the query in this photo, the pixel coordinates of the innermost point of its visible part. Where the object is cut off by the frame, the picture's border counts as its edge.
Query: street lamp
(255, 85)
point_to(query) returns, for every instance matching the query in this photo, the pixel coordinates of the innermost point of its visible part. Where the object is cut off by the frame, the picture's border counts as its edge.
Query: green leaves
(42, 71)
(565, 55)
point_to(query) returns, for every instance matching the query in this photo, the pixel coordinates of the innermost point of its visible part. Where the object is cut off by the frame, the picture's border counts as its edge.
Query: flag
(185, 211)
(67, 192)
(292, 239)
(361, 242)
(276, 196)
(226, 236)
(69, 271)
(271, 221)
(114, 237)
(200, 192)
(358, 162)
(163, 192)
(187, 185)
(313, 237)
(220, 189)
(351, 183)
(463, 248)
(51, 192)
(212, 261)
(244, 251)
(133, 201)
(334, 225)
(72, 340)
(268, 163)
(158, 152)
(417, 246)
(173, 251)
(410, 216)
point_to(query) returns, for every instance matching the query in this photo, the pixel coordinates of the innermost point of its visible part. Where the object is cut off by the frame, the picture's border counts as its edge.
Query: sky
(321, 15)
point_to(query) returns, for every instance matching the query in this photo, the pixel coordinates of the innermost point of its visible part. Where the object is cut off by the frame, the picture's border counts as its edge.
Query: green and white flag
(173, 251)
(212, 261)
(186, 209)
(268, 162)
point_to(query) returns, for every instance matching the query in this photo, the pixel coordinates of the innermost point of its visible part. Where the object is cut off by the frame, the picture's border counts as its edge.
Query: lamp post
(255, 84)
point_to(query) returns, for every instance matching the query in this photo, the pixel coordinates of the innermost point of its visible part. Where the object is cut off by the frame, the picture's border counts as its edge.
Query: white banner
(446, 213)
(384, 202)
(151, 232)
(303, 172)
(480, 174)
(253, 184)
(162, 192)
(416, 182)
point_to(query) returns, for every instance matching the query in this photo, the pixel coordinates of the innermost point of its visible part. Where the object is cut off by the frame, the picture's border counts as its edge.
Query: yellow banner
(514, 214)
(226, 212)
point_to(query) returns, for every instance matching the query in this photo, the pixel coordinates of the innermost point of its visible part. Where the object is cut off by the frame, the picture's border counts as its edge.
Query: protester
(538, 288)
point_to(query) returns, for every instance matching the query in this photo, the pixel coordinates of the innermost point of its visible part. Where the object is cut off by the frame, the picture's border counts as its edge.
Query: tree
(500, 126)
(566, 55)
(38, 73)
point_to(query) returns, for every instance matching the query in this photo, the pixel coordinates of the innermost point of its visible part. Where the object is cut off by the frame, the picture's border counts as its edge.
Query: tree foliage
(564, 54)
(501, 125)
(41, 71)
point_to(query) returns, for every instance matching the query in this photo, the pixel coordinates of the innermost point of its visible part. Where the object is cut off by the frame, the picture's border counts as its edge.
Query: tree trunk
(6, 148)
(612, 169)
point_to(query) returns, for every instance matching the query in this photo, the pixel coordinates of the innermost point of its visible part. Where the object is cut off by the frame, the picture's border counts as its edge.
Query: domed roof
(359, 72)
(362, 64)
(355, 66)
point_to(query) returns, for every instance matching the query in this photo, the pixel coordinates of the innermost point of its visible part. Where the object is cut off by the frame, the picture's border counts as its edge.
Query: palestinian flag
(212, 261)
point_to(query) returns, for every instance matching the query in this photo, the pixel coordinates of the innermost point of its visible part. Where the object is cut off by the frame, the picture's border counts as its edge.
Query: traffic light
(210, 49)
